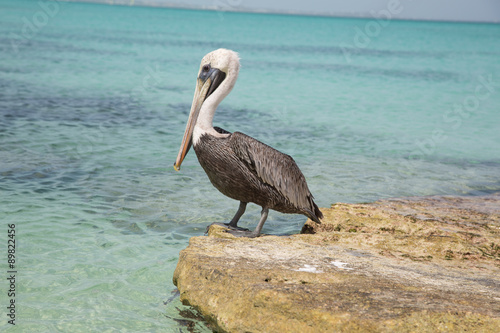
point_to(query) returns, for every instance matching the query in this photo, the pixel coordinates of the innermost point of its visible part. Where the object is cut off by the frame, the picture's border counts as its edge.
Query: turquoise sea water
(94, 101)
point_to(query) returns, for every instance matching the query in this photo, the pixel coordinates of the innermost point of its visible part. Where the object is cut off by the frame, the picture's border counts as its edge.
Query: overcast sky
(455, 10)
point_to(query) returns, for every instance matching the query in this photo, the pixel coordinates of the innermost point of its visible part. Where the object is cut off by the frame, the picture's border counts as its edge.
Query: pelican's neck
(207, 112)
(204, 125)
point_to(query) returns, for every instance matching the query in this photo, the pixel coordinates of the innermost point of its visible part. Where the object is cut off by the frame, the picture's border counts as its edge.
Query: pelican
(238, 165)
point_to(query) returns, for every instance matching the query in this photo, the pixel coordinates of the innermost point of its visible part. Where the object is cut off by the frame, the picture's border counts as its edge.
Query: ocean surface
(93, 104)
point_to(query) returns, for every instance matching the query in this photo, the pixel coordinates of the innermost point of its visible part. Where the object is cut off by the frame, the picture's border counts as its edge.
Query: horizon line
(229, 9)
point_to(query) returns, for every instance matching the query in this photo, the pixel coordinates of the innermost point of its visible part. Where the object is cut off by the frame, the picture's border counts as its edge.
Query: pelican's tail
(314, 214)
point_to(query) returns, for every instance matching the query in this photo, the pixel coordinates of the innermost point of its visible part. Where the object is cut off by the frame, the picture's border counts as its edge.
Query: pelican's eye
(205, 72)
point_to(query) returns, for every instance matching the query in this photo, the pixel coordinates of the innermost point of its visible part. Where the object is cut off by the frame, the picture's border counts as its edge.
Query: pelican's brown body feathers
(248, 170)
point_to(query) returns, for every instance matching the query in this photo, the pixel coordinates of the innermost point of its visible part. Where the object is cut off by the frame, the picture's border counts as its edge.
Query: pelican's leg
(256, 232)
(233, 225)
(239, 213)
(263, 218)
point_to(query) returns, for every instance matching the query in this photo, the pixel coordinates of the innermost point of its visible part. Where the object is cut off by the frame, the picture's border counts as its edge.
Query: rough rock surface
(416, 264)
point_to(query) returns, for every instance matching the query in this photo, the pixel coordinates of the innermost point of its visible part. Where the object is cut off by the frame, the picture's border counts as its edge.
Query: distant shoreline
(223, 8)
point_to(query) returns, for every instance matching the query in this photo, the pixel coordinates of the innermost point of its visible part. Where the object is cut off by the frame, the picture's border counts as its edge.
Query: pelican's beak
(205, 86)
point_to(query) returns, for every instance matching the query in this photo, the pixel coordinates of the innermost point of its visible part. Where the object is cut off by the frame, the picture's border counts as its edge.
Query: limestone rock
(417, 264)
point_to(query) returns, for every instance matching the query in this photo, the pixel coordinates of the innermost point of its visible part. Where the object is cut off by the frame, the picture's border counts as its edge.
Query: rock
(416, 264)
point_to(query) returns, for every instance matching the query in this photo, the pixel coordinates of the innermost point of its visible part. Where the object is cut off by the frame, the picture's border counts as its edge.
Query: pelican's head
(216, 78)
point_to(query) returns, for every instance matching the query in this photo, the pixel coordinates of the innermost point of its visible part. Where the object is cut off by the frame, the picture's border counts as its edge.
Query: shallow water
(93, 104)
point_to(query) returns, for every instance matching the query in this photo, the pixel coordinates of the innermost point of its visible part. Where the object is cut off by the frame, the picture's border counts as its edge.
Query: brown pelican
(239, 166)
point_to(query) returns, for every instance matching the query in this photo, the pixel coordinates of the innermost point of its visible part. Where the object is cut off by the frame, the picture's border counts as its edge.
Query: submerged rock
(416, 264)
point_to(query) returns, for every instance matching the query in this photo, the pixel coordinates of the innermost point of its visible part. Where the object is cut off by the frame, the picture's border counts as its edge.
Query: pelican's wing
(273, 168)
